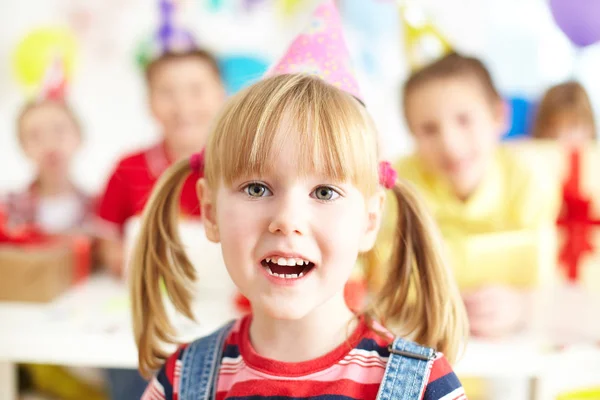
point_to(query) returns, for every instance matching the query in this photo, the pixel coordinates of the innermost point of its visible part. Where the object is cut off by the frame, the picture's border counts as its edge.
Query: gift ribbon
(23, 236)
(575, 220)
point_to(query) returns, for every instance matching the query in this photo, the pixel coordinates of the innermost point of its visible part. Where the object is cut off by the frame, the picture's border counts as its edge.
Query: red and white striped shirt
(354, 370)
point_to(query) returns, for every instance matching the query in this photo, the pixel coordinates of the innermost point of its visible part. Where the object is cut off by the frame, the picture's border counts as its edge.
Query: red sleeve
(114, 205)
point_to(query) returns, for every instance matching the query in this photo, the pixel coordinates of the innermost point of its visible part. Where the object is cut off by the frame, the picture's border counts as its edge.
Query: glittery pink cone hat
(321, 51)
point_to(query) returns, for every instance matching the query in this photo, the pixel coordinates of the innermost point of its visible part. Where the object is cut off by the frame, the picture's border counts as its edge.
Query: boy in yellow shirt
(491, 206)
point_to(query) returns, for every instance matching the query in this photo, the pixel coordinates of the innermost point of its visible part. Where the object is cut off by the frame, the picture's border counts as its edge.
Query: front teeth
(286, 276)
(290, 262)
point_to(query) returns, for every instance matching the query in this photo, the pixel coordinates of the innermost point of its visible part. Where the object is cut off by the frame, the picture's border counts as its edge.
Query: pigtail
(159, 262)
(420, 298)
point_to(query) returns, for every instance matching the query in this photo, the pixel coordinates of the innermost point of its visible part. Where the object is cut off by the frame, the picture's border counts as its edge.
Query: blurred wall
(517, 38)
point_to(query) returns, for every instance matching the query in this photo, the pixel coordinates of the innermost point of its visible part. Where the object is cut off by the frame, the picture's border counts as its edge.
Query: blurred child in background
(50, 136)
(488, 204)
(565, 113)
(185, 93)
(475, 188)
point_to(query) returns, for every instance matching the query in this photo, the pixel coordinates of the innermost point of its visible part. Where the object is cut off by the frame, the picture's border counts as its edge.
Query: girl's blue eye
(257, 190)
(325, 193)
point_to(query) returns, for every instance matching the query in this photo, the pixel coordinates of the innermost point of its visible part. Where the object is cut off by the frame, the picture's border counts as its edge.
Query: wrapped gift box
(519, 258)
(572, 302)
(37, 268)
(575, 175)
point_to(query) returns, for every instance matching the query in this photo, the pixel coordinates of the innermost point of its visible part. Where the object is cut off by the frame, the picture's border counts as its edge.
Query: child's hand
(495, 311)
(111, 256)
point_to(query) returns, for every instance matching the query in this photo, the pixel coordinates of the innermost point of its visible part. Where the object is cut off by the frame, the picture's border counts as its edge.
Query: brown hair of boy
(566, 101)
(199, 54)
(452, 65)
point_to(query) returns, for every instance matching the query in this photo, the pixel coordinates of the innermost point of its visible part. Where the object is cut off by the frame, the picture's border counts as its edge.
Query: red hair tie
(387, 175)
(197, 162)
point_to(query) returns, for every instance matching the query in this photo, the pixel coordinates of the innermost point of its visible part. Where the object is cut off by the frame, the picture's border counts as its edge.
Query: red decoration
(575, 219)
(26, 235)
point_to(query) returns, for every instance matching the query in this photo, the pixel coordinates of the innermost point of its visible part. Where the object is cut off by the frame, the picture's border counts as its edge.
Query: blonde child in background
(50, 136)
(565, 113)
(293, 192)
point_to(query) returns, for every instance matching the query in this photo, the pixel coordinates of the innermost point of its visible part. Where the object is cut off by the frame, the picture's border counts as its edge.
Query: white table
(90, 326)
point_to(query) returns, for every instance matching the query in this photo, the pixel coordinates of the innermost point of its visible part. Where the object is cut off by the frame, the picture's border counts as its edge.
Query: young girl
(50, 135)
(292, 191)
(565, 113)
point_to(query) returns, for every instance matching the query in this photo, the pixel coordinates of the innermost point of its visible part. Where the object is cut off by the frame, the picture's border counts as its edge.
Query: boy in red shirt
(185, 93)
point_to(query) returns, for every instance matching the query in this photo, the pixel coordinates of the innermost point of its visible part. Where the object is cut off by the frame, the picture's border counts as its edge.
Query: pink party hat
(54, 84)
(321, 50)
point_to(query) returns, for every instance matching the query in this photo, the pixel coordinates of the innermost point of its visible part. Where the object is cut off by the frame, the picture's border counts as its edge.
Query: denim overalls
(405, 376)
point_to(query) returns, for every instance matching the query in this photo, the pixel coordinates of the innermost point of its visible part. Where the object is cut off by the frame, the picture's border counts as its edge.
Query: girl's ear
(207, 201)
(375, 206)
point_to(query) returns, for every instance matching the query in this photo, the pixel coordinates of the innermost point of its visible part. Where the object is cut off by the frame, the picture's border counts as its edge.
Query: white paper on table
(570, 314)
(214, 290)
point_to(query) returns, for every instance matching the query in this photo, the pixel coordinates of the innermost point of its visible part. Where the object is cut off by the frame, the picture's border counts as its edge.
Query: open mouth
(288, 268)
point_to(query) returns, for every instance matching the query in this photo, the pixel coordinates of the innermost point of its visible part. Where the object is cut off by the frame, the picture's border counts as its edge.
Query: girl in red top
(293, 192)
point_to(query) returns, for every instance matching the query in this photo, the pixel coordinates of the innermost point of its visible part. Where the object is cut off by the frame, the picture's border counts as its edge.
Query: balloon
(371, 17)
(39, 49)
(578, 19)
(239, 71)
(372, 20)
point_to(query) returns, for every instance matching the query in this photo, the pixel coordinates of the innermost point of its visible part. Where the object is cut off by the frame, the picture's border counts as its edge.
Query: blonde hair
(336, 137)
(568, 100)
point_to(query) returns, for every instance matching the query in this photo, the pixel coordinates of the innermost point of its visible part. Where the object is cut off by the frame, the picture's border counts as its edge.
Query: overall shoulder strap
(200, 366)
(407, 371)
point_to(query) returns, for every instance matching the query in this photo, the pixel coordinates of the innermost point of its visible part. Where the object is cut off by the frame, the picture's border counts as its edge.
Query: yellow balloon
(38, 50)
